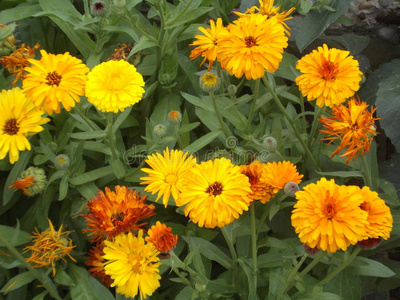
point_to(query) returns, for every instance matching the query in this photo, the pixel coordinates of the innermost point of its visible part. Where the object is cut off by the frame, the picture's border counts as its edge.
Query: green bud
(86, 17)
(160, 130)
(119, 3)
(61, 162)
(209, 82)
(39, 180)
(291, 188)
(200, 287)
(98, 9)
(232, 90)
(270, 143)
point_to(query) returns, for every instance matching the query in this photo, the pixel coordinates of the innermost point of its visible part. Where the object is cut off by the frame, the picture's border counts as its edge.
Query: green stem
(254, 245)
(44, 280)
(303, 110)
(110, 117)
(180, 14)
(291, 276)
(289, 119)
(310, 266)
(178, 137)
(233, 253)
(82, 115)
(221, 122)
(253, 106)
(315, 125)
(340, 268)
(366, 171)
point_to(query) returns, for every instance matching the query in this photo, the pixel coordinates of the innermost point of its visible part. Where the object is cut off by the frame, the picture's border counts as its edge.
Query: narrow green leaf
(121, 118)
(15, 236)
(88, 135)
(87, 190)
(66, 17)
(47, 151)
(188, 127)
(40, 296)
(63, 278)
(368, 267)
(92, 175)
(19, 12)
(188, 17)
(248, 270)
(18, 281)
(63, 188)
(203, 141)
(342, 174)
(98, 147)
(118, 168)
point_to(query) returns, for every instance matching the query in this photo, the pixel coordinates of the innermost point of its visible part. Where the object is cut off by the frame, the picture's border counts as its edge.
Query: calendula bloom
(18, 60)
(207, 44)
(161, 236)
(133, 265)
(96, 262)
(32, 181)
(260, 190)
(215, 193)
(328, 216)
(54, 80)
(253, 44)
(19, 118)
(278, 174)
(167, 173)
(121, 53)
(209, 82)
(112, 213)
(353, 126)
(49, 247)
(113, 86)
(328, 75)
(175, 117)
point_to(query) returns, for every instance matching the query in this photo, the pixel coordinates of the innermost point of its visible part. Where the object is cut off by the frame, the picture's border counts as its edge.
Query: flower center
(329, 70)
(53, 78)
(215, 189)
(250, 41)
(11, 127)
(134, 259)
(330, 211)
(171, 179)
(209, 79)
(117, 217)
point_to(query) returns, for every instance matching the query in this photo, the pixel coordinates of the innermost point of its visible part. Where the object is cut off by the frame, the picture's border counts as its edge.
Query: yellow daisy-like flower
(253, 44)
(55, 79)
(216, 193)
(329, 75)
(114, 85)
(19, 118)
(353, 125)
(379, 216)
(133, 265)
(167, 174)
(278, 174)
(49, 247)
(207, 44)
(260, 189)
(328, 216)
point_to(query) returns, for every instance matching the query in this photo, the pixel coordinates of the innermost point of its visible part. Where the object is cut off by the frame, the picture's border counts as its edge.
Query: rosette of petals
(277, 174)
(161, 236)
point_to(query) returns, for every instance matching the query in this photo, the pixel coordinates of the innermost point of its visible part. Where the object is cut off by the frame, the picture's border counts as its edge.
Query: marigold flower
(329, 75)
(112, 213)
(254, 43)
(96, 261)
(18, 60)
(353, 125)
(260, 190)
(161, 236)
(207, 44)
(32, 181)
(167, 174)
(55, 79)
(113, 86)
(49, 247)
(19, 118)
(328, 216)
(133, 265)
(175, 117)
(278, 174)
(216, 193)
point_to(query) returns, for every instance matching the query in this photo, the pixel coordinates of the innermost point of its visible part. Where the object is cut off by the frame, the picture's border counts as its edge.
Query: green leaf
(368, 267)
(66, 17)
(63, 278)
(63, 187)
(40, 296)
(47, 151)
(19, 12)
(346, 285)
(121, 118)
(270, 260)
(98, 147)
(188, 17)
(305, 7)
(14, 236)
(88, 135)
(315, 23)
(122, 29)
(18, 281)
(87, 190)
(203, 141)
(342, 174)
(248, 270)
(118, 168)
(350, 41)
(144, 43)
(286, 69)
(92, 175)
(188, 127)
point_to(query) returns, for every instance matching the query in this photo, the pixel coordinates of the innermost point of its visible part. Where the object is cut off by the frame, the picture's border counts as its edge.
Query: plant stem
(289, 119)
(82, 115)
(44, 280)
(110, 133)
(253, 106)
(316, 260)
(221, 122)
(254, 245)
(366, 171)
(233, 252)
(315, 125)
(291, 276)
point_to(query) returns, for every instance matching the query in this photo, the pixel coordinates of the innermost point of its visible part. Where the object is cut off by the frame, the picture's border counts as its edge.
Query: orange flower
(353, 126)
(278, 174)
(18, 60)
(96, 262)
(175, 117)
(112, 213)
(161, 236)
(23, 184)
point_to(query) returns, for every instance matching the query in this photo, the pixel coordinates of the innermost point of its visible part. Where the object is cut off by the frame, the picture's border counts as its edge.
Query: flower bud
(160, 130)
(32, 181)
(370, 243)
(61, 162)
(291, 188)
(270, 144)
(200, 287)
(86, 17)
(209, 82)
(232, 90)
(175, 117)
(119, 3)
(309, 250)
(98, 8)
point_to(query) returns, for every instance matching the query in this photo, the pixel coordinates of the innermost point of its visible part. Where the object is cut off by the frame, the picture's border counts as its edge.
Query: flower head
(133, 265)
(161, 236)
(328, 75)
(328, 216)
(254, 43)
(19, 118)
(167, 174)
(209, 82)
(113, 86)
(32, 181)
(61, 162)
(98, 8)
(175, 117)
(49, 247)
(112, 213)
(279, 174)
(215, 193)
(207, 44)
(96, 262)
(353, 125)
(121, 53)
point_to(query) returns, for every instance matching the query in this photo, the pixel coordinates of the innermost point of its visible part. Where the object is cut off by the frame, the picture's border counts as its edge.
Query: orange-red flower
(96, 262)
(112, 213)
(23, 184)
(161, 236)
(353, 125)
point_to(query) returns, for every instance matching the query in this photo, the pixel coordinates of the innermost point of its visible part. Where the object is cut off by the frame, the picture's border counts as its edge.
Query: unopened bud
(270, 144)
(309, 250)
(119, 3)
(175, 117)
(291, 188)
(98, 8)
(32, 181)
(200, 287)
(61, 162)
(232, 90)
(370, 243)
(209, 82)
(86, 17)
(160, 130)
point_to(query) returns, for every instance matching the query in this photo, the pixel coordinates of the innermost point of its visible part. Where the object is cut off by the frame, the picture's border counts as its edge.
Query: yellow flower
(133, 265)
(353, 125)
(113, 86)
(260, 189)
(329, 75)
(49, 247)
(55, 79)
(161, 236)
(254, 44)
(328, 216)
(209, 82)
(278, 174)
(19, 118)
(216, 193)
(207, 44)
(167, 174)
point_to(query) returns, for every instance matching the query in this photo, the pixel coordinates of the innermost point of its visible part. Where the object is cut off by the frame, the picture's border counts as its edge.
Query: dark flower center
(330, 211)
(329, 70)
(214, 189)
(53, 78)
(117, 217)
(250, 41)
(11, 127)
(99, 5)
